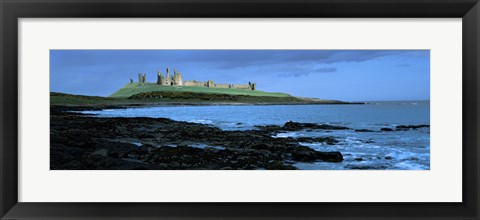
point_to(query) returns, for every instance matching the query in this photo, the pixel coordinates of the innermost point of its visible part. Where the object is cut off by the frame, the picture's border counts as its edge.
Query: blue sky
(349, 75)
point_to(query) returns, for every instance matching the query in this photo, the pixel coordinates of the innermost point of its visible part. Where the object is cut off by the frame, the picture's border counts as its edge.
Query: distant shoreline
(179, 104)
(96, 102)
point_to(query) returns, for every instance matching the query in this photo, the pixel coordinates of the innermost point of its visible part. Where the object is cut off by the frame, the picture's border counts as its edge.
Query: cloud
(220, 59)
(325, 70)
(299, 73)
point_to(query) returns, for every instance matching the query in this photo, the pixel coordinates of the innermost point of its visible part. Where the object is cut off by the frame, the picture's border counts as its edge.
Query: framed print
(224, 109)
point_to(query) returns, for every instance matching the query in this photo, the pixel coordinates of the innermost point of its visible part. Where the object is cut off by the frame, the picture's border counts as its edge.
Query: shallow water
(361, 150)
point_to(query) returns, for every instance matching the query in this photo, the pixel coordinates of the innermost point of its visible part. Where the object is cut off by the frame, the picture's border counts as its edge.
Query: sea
(394, 150)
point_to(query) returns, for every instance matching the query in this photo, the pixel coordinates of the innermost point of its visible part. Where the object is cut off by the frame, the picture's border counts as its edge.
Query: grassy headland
(135, 88)
(151, 94)
(79, 142)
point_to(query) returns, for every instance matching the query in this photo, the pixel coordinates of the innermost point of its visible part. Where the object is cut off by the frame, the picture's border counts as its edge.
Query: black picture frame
(12, 10)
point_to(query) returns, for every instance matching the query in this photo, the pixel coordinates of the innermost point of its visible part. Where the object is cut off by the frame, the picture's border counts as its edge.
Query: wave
(201, 121)
(287, 134)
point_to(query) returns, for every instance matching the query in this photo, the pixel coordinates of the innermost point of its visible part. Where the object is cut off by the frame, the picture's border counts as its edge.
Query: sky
(347, 75)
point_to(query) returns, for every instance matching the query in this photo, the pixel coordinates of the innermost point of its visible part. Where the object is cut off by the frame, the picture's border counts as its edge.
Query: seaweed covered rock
(296, 126)
(160, 143)
(410, 127)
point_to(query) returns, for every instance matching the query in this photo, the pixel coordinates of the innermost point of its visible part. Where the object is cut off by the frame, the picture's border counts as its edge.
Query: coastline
(172, 104)
(165, 144)
(97, 102)
(125, 142)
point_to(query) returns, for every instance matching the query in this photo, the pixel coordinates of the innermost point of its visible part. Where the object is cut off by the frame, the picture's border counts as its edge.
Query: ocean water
(402, 150)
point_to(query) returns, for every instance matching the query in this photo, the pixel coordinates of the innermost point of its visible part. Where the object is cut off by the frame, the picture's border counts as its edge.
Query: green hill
(135, 88)
(175, 97)
(150, 93)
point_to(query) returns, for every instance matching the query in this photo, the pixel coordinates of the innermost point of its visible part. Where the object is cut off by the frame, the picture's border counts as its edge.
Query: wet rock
(386, 129)
(296, 126)
(330, 156)
(269, 127)
(410, 127)
(101, 152)
(106, 143)
(304, 154)
(355, 167)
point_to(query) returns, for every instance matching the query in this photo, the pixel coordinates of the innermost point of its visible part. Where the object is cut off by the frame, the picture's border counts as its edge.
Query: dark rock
(263, 146)
(364, 130)
(410, 127)
(358, 159)
(106, 143)
(330, 156)
(386, 129)
(304, 156)
(296, 126)
(101, 152)
(355, 167)
(331, 127)
(270, 128)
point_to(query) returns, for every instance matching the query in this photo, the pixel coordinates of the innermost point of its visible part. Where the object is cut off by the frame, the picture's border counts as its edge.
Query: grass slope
(172, 97)
(196, 97)
(57, 98)
(134, 88)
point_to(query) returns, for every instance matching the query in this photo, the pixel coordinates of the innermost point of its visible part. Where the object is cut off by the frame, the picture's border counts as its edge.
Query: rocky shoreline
(82, 142)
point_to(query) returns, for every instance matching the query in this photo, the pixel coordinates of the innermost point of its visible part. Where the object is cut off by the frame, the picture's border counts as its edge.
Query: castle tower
(168, 78)
(142, 78)
(159, 78)
(177, 78)
(210, 83)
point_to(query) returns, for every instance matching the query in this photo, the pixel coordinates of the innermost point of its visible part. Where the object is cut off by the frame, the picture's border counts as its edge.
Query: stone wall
(222, 86)
(194, 83)
(241, 86)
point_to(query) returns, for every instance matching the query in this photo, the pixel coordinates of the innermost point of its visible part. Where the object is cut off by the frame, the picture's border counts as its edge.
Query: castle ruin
(177, 80)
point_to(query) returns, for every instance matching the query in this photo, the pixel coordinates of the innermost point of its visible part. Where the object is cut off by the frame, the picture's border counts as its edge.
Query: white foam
(287, 134)
(201, 121)
(137, 143)
(409, 165)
